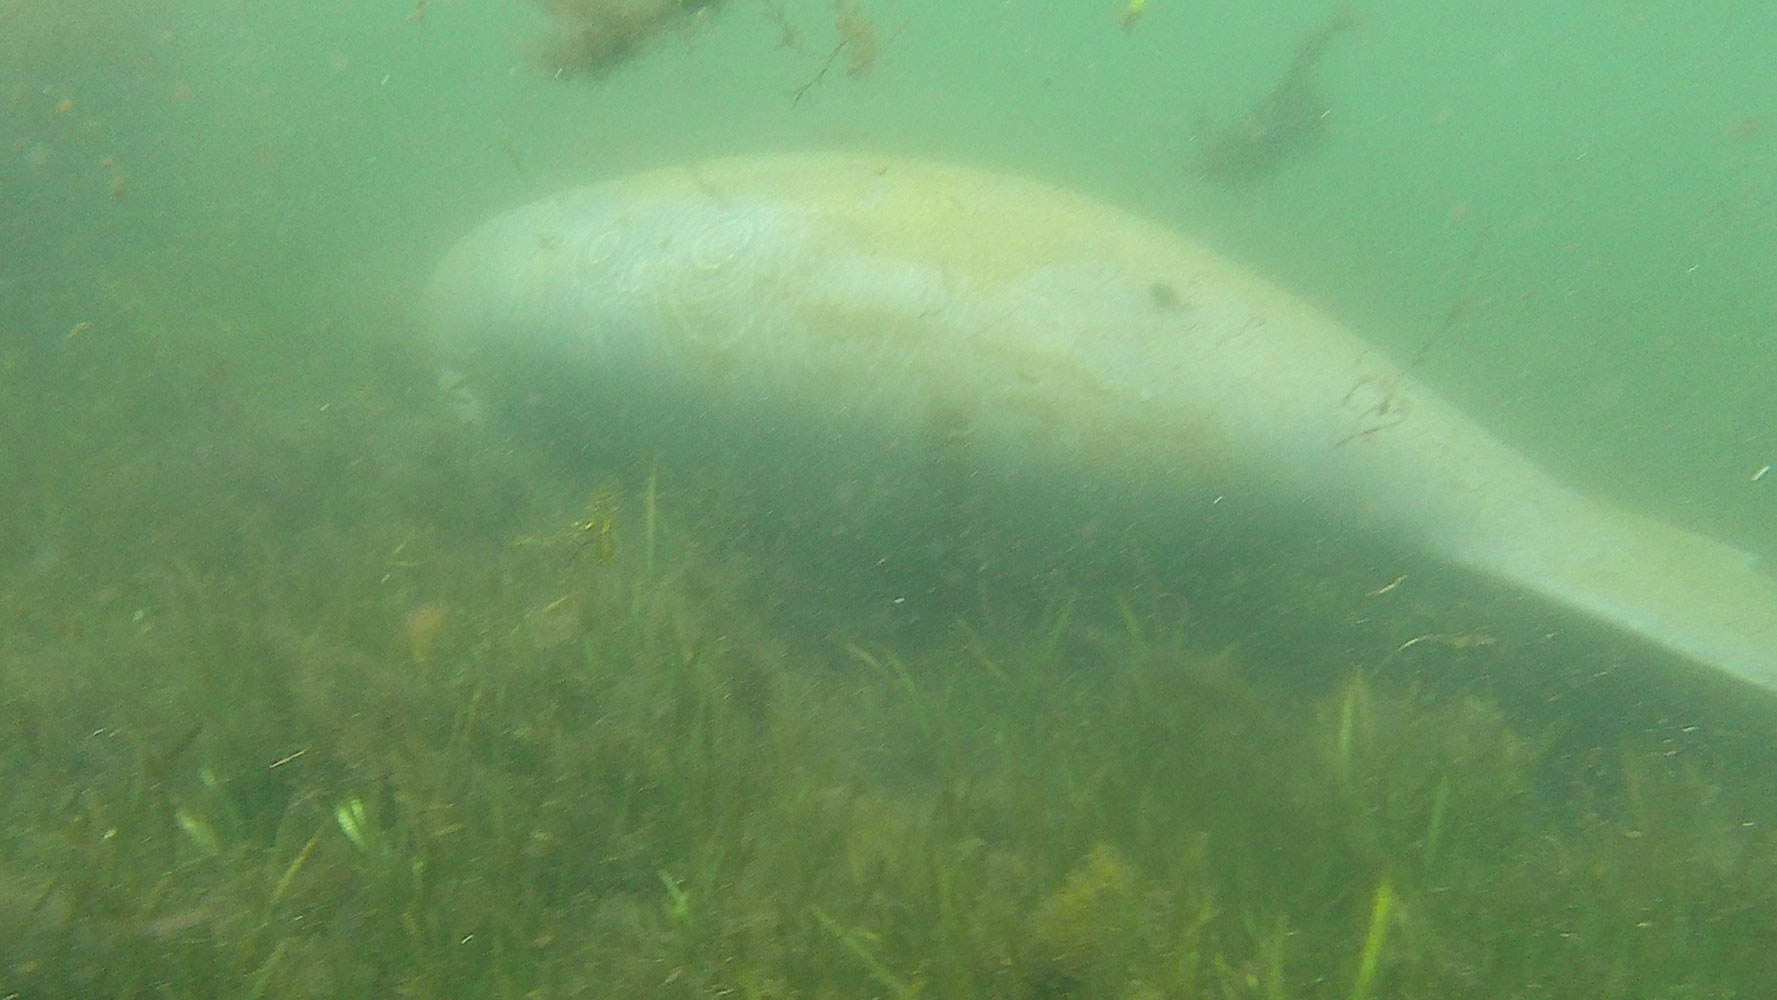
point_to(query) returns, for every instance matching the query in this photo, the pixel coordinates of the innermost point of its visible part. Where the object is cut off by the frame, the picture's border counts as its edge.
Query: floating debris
(594, 37)
(858, 41)
(1289, 122)
(1132, 14)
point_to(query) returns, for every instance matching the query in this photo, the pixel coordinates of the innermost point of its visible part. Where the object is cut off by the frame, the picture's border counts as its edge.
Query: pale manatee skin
(1062, 336)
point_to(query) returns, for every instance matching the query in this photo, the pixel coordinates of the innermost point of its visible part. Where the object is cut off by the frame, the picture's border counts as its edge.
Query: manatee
(847, 305)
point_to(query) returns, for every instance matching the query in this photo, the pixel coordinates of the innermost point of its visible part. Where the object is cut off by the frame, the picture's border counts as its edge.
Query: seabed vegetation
(344, 701)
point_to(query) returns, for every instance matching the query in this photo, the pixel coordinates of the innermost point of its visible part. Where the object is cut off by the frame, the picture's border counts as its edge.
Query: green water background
(1597, 180)
(224, 500)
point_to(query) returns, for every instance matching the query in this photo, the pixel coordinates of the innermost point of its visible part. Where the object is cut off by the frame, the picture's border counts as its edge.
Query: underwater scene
(1127, 499)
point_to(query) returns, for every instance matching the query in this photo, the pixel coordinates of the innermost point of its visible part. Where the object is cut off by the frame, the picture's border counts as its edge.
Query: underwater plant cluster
(357, 702)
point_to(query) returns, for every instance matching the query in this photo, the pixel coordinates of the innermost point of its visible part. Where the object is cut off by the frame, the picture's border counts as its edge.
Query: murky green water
(308, 689)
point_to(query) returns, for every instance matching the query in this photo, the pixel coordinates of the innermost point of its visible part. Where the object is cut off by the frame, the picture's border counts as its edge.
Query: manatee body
(885, 308)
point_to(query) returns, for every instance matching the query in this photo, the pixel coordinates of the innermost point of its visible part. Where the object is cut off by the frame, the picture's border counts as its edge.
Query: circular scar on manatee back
(719, 244)
(597, 250)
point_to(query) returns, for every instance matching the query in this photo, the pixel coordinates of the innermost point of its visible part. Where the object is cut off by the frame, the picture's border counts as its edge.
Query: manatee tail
(1703, 599)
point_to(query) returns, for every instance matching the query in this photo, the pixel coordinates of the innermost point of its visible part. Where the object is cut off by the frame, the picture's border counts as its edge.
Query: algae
(433, 717)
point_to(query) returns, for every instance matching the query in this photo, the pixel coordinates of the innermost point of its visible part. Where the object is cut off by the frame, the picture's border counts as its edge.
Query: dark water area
(314, 684)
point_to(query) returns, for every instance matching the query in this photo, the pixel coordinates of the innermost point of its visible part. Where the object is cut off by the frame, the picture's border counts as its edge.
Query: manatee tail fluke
(1696, 596)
